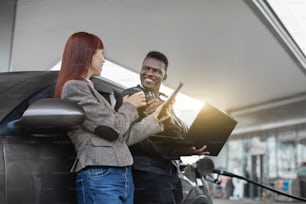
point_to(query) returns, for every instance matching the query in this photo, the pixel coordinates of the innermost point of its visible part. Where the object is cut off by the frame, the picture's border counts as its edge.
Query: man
(155, 174)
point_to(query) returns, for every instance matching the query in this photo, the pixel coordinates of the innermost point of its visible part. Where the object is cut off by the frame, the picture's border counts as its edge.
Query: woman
(103, 164)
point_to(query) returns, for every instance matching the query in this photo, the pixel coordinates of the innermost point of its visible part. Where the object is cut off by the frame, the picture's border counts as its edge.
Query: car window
(10, 125)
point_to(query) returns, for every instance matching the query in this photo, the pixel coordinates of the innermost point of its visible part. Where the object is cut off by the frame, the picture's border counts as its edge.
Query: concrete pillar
(7, 20)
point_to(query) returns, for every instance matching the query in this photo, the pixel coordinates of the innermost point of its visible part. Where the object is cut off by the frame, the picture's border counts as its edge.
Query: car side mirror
(51, 116)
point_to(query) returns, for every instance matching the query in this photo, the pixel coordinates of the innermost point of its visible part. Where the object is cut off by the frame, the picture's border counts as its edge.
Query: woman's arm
(98, 113)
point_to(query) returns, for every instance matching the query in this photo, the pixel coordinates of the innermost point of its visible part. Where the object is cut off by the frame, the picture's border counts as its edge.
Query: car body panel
(2, 175)
(37, 170)
(53, 115)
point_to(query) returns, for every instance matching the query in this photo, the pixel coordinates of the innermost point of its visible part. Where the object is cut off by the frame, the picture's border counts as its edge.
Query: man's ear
(165, 77)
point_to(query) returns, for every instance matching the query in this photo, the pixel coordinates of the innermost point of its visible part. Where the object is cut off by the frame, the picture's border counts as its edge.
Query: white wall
(7, 16)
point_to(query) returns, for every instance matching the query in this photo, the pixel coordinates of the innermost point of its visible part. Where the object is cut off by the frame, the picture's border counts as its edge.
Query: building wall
(265, 157)
(7, 18)
(282, 151)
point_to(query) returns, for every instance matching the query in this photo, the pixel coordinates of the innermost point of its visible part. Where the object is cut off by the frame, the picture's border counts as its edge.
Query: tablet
(169, 100)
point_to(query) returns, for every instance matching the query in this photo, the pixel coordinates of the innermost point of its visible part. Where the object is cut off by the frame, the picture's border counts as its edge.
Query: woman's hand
(137, 99)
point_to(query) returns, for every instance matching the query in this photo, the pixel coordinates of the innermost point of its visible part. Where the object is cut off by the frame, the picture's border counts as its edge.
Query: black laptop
(211, 127)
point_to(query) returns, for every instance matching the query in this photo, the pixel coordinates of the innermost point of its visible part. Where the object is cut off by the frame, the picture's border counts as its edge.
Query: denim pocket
(99, 172)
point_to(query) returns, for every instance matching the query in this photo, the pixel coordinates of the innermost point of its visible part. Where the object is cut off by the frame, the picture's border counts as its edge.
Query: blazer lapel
(99, 97)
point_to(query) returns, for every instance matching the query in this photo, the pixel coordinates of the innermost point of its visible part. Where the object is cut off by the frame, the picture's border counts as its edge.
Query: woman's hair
(76, 60)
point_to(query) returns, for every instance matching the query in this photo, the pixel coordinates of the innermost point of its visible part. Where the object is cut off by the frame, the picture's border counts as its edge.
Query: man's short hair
(158, 55)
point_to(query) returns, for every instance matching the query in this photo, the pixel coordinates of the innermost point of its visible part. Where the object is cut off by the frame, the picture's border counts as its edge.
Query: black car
(35, 153)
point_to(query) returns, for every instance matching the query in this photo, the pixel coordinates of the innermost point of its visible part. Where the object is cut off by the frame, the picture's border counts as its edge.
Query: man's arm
(173, 127)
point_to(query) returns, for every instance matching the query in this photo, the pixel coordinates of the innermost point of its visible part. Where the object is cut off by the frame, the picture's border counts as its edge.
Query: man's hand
(187, 151)
(152, 106)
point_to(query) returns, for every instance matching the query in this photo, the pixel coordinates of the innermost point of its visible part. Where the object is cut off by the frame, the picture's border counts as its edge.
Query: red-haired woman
(103, 161)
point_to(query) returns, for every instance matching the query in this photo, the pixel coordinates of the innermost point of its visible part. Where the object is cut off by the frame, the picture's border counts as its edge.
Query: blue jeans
(107, 185)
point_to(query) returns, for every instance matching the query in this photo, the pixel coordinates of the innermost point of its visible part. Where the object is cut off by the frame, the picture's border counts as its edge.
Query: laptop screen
(211, 127)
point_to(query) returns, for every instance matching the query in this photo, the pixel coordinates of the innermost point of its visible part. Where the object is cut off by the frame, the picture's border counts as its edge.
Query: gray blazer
(93, 150)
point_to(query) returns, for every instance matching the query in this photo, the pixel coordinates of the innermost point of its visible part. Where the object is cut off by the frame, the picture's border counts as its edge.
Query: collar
(89, 82)
(161, 96)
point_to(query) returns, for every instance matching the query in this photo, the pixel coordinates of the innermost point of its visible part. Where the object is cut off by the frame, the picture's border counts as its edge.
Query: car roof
(15, 87)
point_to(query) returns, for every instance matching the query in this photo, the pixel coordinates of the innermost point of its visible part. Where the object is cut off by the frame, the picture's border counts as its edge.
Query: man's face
(152, 73)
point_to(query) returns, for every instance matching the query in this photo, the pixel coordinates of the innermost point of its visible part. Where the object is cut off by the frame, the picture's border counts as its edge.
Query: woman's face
(97, 61)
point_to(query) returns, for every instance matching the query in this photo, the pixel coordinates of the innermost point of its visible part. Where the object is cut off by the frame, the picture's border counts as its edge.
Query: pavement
(249, 201)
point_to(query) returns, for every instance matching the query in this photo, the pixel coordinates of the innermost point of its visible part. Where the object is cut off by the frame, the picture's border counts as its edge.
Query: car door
(2, 180)
(34, 168)
(37, 169)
